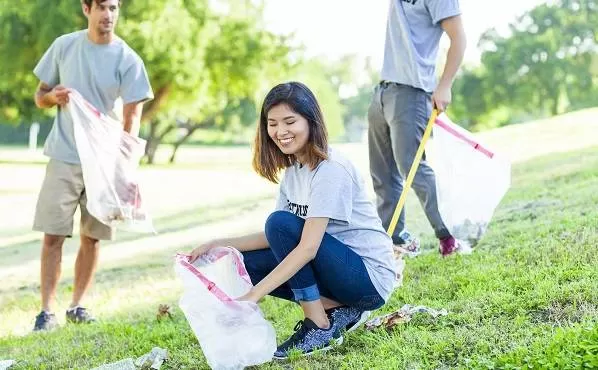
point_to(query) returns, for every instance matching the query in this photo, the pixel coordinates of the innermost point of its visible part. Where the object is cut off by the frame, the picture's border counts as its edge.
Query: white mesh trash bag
(109, 160)
(232, 334)
(471, 180)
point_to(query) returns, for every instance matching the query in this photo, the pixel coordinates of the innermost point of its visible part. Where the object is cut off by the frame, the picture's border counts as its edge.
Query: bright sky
(336, 27)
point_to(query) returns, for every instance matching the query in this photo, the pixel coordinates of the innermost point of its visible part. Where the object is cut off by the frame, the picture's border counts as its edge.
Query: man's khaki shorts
(61, 192)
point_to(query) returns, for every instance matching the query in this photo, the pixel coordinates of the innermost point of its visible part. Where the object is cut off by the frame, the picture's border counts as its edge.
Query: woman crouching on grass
(324, 246)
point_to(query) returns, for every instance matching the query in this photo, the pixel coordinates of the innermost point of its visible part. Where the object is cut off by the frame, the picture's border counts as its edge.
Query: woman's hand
(202, 249)
(250, 296)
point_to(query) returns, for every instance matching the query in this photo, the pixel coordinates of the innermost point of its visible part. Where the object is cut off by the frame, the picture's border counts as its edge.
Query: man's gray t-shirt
(334, 189)
(413, 33)
(102, 73)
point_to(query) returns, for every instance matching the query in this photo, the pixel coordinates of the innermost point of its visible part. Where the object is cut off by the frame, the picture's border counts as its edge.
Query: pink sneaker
(448, 246)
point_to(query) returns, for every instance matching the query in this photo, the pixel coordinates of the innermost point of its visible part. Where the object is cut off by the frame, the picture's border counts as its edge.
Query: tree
(546, 60)
(357, 104)
(199, 61)
(470, 106)
(314, 74)
(204, 67)
(27, 30)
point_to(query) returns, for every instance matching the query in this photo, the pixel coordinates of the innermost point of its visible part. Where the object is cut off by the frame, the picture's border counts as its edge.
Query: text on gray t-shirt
(335, 190)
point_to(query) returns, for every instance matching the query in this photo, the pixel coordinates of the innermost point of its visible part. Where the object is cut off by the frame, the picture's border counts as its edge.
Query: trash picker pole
(412, 171)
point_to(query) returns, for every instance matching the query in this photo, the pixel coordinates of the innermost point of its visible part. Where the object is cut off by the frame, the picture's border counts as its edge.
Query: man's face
(102, 16)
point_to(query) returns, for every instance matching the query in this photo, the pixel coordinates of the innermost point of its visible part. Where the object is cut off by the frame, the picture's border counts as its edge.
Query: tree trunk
(555, 104)
(179, 142)
(150, 151)
(154, 140)
(153, 106)
(148, 115)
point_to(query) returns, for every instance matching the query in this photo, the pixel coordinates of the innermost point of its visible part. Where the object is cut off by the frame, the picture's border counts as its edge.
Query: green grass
(526, 298)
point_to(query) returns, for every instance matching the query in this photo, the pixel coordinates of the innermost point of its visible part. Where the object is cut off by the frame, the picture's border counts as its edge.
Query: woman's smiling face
(289, 130)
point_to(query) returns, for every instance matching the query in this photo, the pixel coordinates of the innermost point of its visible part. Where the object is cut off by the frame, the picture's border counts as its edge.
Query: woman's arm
(244, 243)
(247, 243)
(311, 238)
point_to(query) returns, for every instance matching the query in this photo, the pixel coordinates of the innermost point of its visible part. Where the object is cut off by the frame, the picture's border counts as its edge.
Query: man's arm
(453, 26)
(47, 97)
(132, 117)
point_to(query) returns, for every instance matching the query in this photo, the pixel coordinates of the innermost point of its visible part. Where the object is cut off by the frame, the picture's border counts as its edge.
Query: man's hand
(441, 97)
(59, 95)
(47, 97)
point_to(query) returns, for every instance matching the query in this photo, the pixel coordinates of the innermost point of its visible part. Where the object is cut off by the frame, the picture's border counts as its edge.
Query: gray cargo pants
(398, 115)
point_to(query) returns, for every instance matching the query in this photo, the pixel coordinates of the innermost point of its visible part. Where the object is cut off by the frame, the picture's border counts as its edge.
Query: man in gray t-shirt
(112, 77)
(402, 104)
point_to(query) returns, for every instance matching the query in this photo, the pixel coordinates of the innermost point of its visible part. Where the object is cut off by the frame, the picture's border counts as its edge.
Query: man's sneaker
(409, 244)
(307, 339)
(45, 321)
(79, 315)
(346, 319)
(448, 246)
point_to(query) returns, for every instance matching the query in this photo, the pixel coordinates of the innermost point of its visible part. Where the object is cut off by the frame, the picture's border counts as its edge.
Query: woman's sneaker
(346, 319)
(308, 338)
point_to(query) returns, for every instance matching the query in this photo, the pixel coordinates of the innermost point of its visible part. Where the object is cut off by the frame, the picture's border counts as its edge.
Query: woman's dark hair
(268, 159)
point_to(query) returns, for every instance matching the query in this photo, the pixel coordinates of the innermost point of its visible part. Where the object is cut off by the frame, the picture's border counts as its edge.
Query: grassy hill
(526, 298)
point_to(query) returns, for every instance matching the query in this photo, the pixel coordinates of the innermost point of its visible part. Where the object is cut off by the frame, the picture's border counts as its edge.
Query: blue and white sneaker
(346, 319)
(79, 315)
(409, 244)
(308, 338)
(45, 321)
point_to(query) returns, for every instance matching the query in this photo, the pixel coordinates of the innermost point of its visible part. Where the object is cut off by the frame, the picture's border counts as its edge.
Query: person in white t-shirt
(324, 246)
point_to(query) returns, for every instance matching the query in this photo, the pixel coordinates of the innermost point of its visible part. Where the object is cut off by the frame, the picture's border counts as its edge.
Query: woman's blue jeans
(337, 272)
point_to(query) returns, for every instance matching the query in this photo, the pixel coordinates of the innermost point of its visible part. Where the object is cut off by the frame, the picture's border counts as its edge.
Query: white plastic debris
(5, 364)
(126, 364)
(402, 316)
(151, 360)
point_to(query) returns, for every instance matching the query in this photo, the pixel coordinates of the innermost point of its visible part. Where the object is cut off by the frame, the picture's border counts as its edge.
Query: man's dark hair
(90, 2)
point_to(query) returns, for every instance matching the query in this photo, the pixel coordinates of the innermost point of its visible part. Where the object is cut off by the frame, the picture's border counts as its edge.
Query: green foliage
(27, 30)
(545, 65)
(574, 348)
(314, 74)
(205, 67)
(526, 298)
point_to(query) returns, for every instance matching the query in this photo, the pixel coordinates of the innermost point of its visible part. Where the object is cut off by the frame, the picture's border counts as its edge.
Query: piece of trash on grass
(5, 364)
(402, 316)
(400, 267)
(163, 311)
(151, 360)
(126, 364)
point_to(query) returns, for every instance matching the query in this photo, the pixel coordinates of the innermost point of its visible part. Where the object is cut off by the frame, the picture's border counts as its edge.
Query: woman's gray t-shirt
(334, 189)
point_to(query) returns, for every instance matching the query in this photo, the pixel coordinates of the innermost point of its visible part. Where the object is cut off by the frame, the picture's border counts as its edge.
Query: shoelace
(300, 329)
